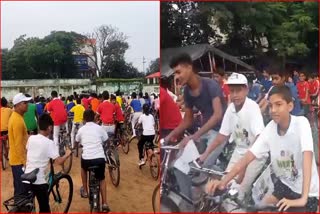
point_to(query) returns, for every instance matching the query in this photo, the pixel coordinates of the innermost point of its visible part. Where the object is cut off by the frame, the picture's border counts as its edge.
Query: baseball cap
(237, 79)
(18, 98)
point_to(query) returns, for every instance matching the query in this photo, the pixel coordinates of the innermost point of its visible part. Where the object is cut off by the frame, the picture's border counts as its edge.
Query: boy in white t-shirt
(92, 137)
(243, 122)
(39, 151)
(288, 138)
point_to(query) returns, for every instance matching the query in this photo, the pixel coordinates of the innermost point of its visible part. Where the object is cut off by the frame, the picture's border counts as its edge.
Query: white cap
(18, 98)
(237, 79)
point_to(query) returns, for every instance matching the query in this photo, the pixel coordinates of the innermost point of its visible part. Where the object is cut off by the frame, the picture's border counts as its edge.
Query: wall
(43, 87)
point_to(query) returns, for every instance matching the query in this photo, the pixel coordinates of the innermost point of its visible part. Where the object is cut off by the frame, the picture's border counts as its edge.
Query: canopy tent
(197, 52)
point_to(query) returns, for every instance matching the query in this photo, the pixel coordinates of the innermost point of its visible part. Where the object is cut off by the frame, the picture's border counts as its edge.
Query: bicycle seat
(93, 167)
(31, 176)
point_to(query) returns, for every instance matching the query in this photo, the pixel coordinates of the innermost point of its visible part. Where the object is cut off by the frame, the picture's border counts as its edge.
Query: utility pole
(143, 62)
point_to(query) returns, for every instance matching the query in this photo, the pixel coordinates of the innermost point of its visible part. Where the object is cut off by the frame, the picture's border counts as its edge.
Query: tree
(154, 66)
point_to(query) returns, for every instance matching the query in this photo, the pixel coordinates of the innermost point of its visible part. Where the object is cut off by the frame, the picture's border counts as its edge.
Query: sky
(138, 20)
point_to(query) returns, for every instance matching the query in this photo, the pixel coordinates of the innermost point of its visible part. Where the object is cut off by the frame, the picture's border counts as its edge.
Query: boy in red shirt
(219, 76)
(106, 111)
(59, 116)
(118, 115)
(314, 88)
(303, 92)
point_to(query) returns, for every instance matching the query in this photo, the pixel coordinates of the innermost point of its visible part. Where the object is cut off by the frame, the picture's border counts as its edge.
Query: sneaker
(105, 208)
(142, 162)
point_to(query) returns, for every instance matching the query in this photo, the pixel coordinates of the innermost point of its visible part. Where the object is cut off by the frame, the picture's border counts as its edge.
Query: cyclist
(303, 92)
(137, 108)
(59, 116)
(5, 115)
(148, 126)
(92, 136)
(40, 103)
(78, 111)
(243, 122)
(18, 137)
(94, 102)
(288, 138)
(106, 111)
(39, 151)
(219, 76)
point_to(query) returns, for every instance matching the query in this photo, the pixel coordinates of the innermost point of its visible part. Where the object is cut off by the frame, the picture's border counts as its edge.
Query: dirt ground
(132, 195)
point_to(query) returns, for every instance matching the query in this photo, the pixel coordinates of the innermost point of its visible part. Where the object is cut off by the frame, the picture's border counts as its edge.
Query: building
(84, 60)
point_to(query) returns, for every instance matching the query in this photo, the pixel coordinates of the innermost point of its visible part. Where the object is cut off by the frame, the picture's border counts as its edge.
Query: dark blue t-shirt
(136, 105)
(69, 107)
(40, 108)
(210, 89)
(267, 84)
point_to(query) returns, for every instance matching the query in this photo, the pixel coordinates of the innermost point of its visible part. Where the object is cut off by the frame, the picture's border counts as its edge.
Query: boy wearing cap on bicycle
(40, 149)
(289, 140)
(243, 122)
(92, 136)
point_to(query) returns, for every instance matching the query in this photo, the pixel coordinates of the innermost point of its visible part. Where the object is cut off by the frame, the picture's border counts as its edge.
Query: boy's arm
(216, 142)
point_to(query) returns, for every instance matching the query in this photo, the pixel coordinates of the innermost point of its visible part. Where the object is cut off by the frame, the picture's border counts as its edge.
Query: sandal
(105, 208)
(82, 193)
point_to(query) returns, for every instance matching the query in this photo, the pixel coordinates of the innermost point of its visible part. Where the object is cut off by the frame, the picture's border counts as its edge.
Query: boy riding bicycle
(289, 140)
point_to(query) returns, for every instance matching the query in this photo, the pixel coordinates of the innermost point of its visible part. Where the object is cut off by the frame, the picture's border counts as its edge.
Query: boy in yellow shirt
(78, 111)
(5, 115)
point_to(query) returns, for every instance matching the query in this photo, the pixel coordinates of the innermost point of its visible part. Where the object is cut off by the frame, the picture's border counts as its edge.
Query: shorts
(100, 171)
(283, 191)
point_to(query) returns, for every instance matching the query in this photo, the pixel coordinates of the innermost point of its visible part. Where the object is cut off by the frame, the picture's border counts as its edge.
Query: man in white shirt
(40, 149)
(243, 122)
(289, 140)
(92, 137)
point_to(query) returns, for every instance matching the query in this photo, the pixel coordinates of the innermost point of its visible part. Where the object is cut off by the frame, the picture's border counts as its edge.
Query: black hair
(54, 94)
(94, 95)
(70, 98)
(78, 101)
(146, 95)
(220, 71)
(140, 94)
(45, 121)
(88, 115)
(63, 98)
(118, 93)
(105, 95)
(113, 97)
(283, 91)
(146, 109)
(183, 58)
(305, 73)
(4, 102)
(134, 95)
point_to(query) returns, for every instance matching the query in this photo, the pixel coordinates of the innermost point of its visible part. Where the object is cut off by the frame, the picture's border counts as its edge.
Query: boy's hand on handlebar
(213, 185)
(285, 204)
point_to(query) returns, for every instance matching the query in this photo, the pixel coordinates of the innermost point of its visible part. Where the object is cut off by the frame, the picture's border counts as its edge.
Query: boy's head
(54, 94)
(105, 95)
(134, 95)
(78, 101)
(265, 74)
(140, 95)
(238, 86)
(278, 75)
(45, 123)
(4, 102)
(303, 76)
(280, 103)
(219, 74)
(183, 67)
(113, 98)
(88, 115)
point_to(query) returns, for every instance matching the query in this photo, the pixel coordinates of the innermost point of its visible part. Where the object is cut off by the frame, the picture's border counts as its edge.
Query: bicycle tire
(114, 166)
(66, 167)
(4, 160)
(55, 195)
(124, 142)
(95, 197)
(154, 169)
(156, 192)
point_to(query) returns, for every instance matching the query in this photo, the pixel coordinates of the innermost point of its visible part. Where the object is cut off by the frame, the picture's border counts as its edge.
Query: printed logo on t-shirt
(286, 166)
(241, 136)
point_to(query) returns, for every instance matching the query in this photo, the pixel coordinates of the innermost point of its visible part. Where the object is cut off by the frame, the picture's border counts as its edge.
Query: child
(92, 137)
(118, 115)
(243, 122)
(289, 136)
(148, 134)
(303, 91)
(78, 111)
(39, 151)
(314, 88)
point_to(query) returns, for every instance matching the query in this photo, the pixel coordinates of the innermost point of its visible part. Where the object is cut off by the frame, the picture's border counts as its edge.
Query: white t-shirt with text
(91, 136)
(39, 151)
(287, 153)
(147, 124)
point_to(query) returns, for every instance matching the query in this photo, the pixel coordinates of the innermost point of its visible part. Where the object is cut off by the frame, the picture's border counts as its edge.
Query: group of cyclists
(266, 118)
(33, 126)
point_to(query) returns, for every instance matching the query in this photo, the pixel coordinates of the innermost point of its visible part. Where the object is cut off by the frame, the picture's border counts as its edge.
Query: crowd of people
(266, 117)
(33, 126)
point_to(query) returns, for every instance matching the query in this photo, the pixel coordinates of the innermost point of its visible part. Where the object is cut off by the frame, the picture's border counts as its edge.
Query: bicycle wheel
(60, 194)
(114, 167)
(124, 142)
(95, 203)
(156, 199)
(66, 167)
(154, 166)
(4, 159)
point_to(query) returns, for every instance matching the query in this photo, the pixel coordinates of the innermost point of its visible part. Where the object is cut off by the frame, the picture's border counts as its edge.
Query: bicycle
(112, 160)
(4, 151)
(64, 144)
(94, 190)
(127, 118)
(76, 146)
(122, 138)
(152, 159)
(25, 202)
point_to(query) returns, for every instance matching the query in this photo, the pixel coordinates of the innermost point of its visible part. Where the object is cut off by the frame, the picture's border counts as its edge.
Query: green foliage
(154, 66)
